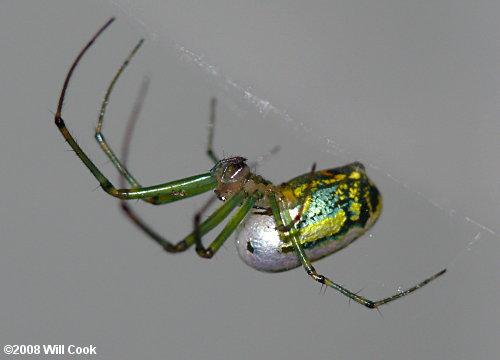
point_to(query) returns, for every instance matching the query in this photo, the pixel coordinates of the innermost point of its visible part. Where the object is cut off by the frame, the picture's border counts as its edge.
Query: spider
(279, 227)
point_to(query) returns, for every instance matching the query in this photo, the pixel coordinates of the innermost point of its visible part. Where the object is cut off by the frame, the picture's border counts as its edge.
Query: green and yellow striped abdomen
(340, 205)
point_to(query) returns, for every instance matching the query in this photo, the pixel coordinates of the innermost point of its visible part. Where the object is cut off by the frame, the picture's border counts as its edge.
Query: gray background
(409, 88)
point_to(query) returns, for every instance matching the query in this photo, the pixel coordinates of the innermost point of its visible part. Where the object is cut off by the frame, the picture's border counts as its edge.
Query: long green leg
(199, 229)
(232, 224)
(212, 221)
(99, 136)
(166, 192)
(282, 215)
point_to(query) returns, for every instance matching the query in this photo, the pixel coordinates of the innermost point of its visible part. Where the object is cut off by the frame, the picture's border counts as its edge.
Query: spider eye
(234, 173)
(231, 170)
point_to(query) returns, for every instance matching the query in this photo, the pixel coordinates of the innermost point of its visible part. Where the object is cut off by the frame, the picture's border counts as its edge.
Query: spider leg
(129, 131)
(307, 192)
(162, 193)
(212, 221)
(99, 136)
(101, 140)
(211, 131)
(234, 221)
(282, 215)
(200, 229)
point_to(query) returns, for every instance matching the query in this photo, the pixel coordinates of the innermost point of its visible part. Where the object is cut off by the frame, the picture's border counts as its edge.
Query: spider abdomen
(340, 205)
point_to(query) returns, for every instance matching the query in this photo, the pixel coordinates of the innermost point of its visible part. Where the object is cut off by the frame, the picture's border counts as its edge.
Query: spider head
(231, 174)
